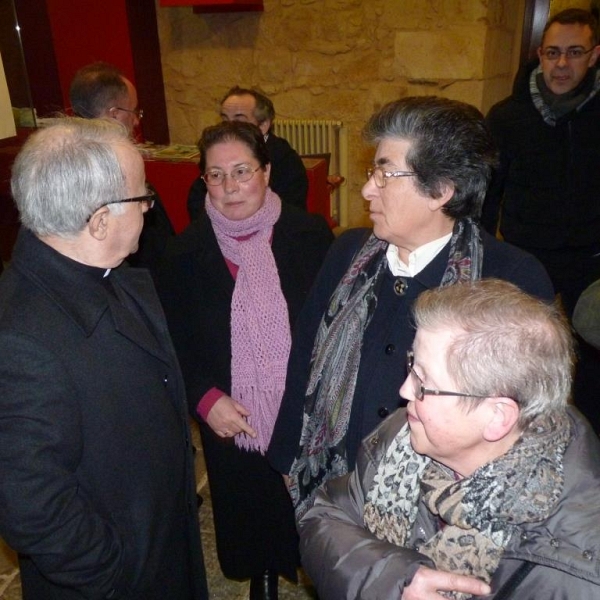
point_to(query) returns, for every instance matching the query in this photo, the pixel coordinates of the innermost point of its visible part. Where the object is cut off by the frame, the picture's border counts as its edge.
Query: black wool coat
(97, 489)
(252, 510)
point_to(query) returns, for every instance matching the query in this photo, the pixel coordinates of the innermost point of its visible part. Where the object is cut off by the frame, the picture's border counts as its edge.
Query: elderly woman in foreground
(486, 483)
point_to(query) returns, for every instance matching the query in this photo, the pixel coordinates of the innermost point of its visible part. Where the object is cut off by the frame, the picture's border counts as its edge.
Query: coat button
(383, 412)
(587, 554)
(554, 543)
(390, 349)
(165, 380)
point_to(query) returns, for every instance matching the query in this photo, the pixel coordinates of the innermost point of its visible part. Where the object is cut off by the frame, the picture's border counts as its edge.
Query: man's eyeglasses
(380, 175)
(552, 53)
(138, 112)
(240, 174)
(147, 199)
(420, 391)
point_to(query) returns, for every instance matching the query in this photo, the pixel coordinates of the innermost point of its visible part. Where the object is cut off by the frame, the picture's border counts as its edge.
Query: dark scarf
(336, 357)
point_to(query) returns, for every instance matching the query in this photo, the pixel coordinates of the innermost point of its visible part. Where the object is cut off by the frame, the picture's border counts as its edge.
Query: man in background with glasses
(546, 191)
(100, 90)
(96, 472)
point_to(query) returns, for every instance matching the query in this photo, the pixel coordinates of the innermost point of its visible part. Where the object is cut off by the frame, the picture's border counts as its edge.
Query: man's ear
(447, 190)
(594, 56)
(503, 416)
(99, 223)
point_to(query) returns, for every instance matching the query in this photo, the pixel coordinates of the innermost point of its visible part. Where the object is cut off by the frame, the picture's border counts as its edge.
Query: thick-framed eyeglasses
(138, 112)
(240, 174)
(380, 175)
(553, 53)
(419, 389)
(148, 199)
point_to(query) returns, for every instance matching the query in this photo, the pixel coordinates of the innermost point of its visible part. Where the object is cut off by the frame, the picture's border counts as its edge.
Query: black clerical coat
(96, 474)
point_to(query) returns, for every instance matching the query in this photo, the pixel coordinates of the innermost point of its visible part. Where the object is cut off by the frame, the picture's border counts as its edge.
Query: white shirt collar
(418, 259)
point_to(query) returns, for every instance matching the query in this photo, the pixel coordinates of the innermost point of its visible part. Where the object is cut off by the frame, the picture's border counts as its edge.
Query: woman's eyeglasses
(239, 174)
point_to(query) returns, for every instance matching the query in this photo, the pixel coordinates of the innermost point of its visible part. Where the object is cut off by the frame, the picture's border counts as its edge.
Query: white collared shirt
(418, 259)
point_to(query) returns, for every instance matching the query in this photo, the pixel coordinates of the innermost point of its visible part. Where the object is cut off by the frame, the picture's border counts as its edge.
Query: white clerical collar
(418, 259)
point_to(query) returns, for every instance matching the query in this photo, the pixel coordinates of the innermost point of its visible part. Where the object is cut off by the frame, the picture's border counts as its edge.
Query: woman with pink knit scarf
(232, 285)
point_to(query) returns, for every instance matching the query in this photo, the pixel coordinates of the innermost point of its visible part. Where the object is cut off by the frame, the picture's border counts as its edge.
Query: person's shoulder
(505, 261)
(519, 98)
(575, 520)
(191, 240)
(294, 218)
(280, 142)
(280, 148)
(498, 252)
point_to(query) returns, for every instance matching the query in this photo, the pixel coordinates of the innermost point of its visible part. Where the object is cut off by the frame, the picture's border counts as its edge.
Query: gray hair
(450, 144)
(508, 343)
(65, 172)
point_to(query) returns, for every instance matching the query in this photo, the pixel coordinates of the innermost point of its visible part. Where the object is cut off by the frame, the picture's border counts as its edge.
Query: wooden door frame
(535, 19)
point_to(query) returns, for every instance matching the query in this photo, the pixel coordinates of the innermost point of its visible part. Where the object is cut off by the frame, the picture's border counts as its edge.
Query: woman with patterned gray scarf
(487, 484)
(425, 190)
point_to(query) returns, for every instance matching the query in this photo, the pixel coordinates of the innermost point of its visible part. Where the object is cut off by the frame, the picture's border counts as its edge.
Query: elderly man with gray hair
(96, 473)
(487, 483)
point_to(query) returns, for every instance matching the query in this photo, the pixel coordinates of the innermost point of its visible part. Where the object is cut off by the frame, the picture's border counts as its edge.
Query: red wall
(86, 31)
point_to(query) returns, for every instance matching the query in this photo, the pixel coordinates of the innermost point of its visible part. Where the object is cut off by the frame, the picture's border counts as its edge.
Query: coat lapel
(137, 313)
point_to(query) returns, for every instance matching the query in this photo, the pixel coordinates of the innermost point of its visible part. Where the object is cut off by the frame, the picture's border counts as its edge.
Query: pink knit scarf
(260, 326)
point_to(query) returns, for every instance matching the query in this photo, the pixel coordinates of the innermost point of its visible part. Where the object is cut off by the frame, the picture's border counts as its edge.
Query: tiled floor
(220, 588)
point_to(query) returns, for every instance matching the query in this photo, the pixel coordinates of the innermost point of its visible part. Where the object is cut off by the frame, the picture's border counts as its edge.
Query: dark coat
(342, 556)
(96, 481)
(547, 182)
(387, 338)
(288, 178)
(252, 510)
(157, 231)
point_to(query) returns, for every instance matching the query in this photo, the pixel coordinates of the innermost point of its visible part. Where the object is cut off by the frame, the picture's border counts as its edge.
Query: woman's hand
(427, 583)
(227, 418)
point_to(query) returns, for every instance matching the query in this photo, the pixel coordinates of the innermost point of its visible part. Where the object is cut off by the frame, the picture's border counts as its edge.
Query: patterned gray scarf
(481, 512)
(565, 102)
(336, 357)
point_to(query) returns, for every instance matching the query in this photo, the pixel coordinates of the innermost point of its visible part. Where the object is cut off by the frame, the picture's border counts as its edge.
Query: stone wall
(338, 59)
(557, 5)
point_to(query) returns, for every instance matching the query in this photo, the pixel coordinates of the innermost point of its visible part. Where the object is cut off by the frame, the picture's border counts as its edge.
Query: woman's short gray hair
(507, 343)
(450, 144)
(65, 172)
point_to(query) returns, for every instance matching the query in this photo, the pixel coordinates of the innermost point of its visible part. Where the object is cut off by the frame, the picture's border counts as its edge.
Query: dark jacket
(288, 178)
(253, 515)
(346, 561)
(547, 181)
(387, 338)
(96, 473)
(157, 231)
